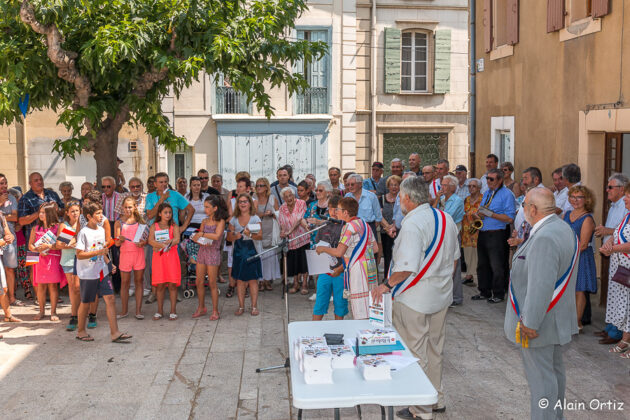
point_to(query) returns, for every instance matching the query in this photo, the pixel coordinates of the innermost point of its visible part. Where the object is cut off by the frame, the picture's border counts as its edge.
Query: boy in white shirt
(94, 277)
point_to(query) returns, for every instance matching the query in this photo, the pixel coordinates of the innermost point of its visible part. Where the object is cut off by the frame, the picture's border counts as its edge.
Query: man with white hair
(369, 207)
(397, 167)
(540, 317)
(452, 204)
(424, 257)
(398, 214)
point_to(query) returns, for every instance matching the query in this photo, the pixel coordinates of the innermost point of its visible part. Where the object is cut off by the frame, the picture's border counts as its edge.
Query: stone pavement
(197, 369)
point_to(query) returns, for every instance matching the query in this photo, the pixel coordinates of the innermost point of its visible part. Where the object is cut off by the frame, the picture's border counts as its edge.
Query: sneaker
(146, 292)
(150, 299)
(495, 300)
(313, 297)
(131, 292)
(72, 325)
(92, 321)
(454, 304)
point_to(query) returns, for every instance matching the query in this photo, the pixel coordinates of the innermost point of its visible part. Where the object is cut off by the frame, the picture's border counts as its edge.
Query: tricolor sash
(429, 255)
(358, 252)
(435, 187)
(558, 292)
(622, 239)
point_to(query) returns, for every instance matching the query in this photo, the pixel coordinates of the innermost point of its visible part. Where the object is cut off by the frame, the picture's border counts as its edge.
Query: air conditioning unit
(133, 145)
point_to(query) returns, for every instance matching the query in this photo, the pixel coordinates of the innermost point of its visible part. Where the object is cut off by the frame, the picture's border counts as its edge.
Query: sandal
(267, 285)
(122, 338)
(157, 316)
(17, 302)
(230, 292)
(619, 349)
(198, 314)
(85, 338)
(121, 316)
(304, 291)
(239, 311)
(12, 319)
(625, 355)
(172, 317)
(261, 286)
(293, 289)
(54, 318)
(215, 316)
(255, 311)
(38, 317)
(140, 316)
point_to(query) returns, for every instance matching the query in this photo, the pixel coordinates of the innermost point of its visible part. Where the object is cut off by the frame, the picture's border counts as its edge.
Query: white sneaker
(146, 292)
(313, 297)
(131, 292)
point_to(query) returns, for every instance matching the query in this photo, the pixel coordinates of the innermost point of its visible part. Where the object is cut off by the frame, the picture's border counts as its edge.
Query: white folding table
(409, 386)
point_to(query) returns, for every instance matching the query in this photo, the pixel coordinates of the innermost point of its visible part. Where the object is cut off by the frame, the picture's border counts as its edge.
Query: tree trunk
(105, 154)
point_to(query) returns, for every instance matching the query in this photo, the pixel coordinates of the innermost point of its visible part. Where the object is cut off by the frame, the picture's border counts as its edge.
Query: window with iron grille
(228, 100)
(314, 99)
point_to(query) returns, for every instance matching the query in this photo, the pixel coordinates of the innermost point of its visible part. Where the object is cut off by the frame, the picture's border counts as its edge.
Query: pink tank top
(129, 232)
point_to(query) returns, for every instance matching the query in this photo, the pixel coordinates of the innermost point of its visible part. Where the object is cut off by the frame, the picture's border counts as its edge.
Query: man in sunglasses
(497, 212)
(204, 177)
(492, 162)
(532, 178)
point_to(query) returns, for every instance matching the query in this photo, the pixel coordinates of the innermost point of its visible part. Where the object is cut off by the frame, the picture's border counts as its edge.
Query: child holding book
(69, 228)
(47, 273)
(357, 245)
(131, 254)
(165, 269)
(93, 272)
(209, 255)
(331, 284)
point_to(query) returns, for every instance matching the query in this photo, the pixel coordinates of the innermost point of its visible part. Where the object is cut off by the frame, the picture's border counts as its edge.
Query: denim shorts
(327, 286)
(9, 256)
(91, 288)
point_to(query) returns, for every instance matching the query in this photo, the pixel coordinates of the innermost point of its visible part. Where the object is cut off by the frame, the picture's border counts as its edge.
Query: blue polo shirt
(369, 207)
(455, 207)
(175, 199)
(502, 203)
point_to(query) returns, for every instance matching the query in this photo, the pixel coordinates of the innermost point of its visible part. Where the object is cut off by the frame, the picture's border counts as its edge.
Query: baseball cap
(461, 168)
(378, 165)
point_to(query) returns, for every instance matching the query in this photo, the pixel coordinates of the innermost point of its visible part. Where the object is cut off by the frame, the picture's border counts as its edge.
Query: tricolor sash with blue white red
(358, 252)
(622, 239)
(429, 255)
(435, 187)
(560, 286)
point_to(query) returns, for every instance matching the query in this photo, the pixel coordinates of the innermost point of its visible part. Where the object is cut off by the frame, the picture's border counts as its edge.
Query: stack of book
(374, 368)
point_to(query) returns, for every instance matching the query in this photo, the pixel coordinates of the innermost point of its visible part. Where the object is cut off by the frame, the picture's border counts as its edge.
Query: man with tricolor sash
(540, 316)
(421, 283)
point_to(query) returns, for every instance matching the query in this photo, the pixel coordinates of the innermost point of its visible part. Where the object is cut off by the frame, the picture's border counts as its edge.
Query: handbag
(275, 234)
(622, 276)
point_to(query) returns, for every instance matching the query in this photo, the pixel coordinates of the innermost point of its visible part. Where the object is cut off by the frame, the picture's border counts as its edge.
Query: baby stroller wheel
(192, 293)
(187, 294)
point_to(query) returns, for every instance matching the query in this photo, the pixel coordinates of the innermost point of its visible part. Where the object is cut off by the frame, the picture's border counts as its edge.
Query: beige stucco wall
(547, 85)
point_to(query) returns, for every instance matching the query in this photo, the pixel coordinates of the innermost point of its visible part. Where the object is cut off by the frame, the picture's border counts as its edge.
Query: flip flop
(54, 318)
(12, 319)
(140, 316)
(172, 317)
(239, 311)
(122, 338)
(157, 316)
(17, 302)
(215, 316)
(85, 338)
(198, 314)
(121, 316)
(255, 312)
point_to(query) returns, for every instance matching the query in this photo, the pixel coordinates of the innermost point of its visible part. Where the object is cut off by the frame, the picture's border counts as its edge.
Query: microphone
(331, 220)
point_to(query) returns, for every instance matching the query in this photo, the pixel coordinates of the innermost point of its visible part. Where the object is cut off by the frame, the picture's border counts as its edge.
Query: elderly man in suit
(541, 313)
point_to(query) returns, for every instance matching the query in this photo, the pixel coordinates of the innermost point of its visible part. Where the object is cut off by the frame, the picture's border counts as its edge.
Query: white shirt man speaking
(424, 258)
(540, 316)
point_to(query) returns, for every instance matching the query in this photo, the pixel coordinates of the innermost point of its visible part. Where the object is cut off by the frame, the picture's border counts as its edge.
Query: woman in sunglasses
(267, 209)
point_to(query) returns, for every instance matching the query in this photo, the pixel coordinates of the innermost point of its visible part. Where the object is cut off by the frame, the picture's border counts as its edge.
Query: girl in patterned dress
(360, 273)
(209, 255)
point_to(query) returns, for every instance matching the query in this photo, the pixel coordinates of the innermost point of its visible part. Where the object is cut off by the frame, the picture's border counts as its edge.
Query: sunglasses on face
(260, 185)
(134, 186)
(491, 179)
(204, 177)
(107, 187)
(610, 187)
(506, 170)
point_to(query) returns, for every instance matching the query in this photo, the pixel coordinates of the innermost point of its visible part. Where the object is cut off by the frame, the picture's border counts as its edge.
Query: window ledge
(580, 28)
(502, 51)
(417, 93)
(243, 117)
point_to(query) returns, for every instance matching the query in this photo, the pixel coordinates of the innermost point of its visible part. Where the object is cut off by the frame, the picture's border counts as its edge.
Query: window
(505, 146)
(563, 13)
(414, 62)
(228, 100)
(500, 21)
(180, 165)
(502, 138)
(314, 100)
(417, 61)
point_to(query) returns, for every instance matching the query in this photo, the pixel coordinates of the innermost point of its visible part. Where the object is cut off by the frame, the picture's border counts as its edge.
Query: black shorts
(91, 288)
(296, 261)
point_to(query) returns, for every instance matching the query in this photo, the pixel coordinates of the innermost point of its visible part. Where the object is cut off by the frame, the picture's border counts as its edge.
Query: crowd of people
(435, 229)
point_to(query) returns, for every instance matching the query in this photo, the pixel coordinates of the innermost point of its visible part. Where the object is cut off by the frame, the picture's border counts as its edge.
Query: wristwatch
(388, 286)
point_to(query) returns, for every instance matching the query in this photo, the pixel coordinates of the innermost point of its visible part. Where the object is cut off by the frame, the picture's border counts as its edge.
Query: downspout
(374, 137)
(473, 87)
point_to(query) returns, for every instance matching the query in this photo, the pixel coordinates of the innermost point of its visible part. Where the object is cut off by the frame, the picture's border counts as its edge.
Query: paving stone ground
(198, 369)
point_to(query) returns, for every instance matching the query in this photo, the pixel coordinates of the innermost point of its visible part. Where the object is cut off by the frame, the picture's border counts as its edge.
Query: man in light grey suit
(545, 320)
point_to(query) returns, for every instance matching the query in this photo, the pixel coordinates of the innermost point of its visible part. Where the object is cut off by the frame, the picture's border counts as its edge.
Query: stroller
(189, 282)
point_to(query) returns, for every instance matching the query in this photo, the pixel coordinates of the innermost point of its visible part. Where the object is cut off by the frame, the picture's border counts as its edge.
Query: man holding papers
(421, 282)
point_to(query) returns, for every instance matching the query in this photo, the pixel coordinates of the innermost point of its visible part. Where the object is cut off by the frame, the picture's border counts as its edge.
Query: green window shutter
(392, 60)
(442, 78)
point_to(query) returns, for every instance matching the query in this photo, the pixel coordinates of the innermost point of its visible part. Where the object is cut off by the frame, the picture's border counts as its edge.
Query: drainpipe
(473, 87)
(374, 137)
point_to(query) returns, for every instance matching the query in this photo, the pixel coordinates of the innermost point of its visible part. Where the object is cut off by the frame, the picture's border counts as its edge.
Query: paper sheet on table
(398, 362)
(317, 264)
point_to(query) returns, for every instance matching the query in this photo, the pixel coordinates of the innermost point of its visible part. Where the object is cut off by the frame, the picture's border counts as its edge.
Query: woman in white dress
(267, 209)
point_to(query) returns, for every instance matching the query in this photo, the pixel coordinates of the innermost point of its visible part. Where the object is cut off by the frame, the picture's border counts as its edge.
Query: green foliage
(119, 41)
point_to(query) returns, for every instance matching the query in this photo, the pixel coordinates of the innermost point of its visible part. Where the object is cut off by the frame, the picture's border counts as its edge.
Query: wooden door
(614, 155)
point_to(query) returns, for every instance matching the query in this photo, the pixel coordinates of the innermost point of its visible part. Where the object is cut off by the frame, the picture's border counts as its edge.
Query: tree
(103, 63)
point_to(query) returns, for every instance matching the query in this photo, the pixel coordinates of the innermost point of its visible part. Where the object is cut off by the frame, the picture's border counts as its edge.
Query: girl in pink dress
(165, 269)
(131, 254)
(209, 256)
(47, 273)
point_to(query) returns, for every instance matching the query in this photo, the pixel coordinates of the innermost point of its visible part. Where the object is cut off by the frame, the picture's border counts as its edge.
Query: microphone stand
(284, 248)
